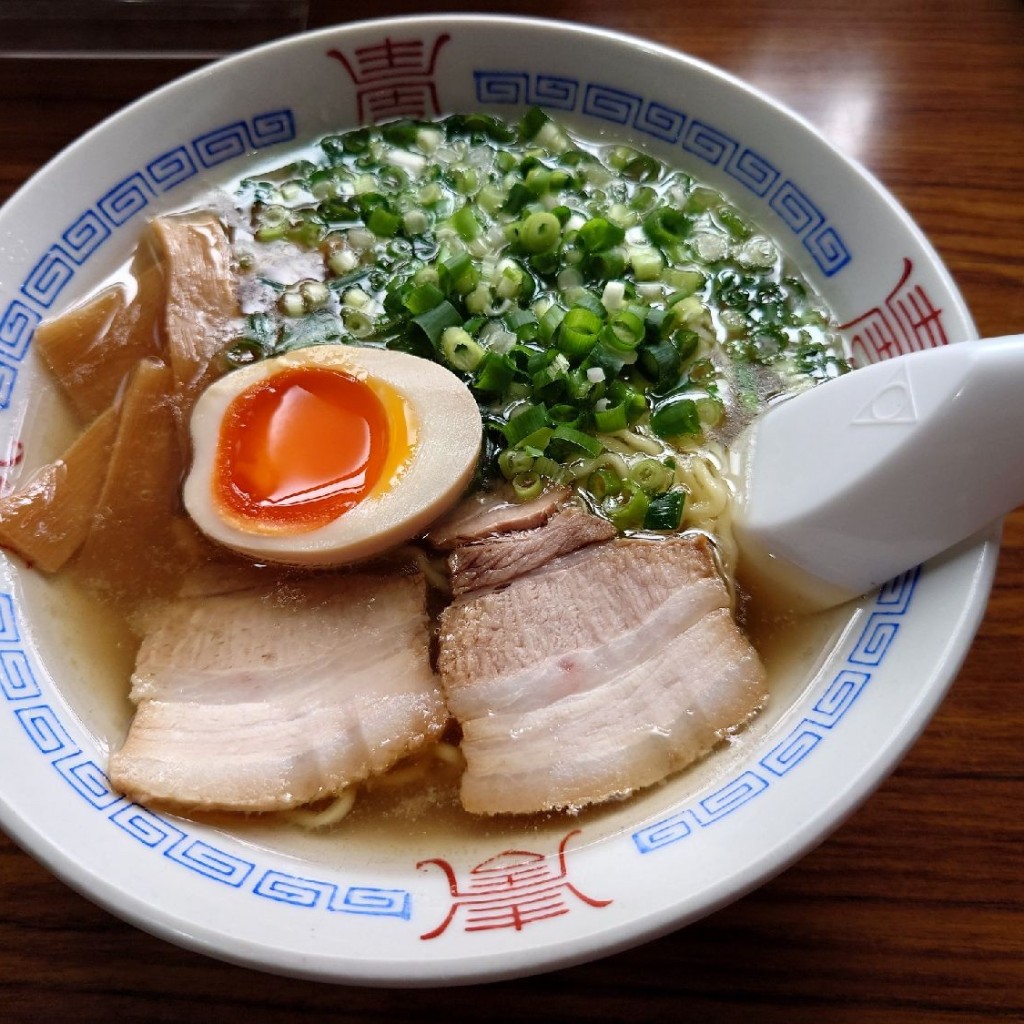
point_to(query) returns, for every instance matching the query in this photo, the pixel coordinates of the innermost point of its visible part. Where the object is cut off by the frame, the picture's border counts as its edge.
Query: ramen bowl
(437, 899)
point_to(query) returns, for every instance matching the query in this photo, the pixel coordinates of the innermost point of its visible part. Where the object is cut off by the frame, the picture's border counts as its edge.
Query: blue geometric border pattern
(59, 262)
(50, 737)
(837, 696)
(668, 124)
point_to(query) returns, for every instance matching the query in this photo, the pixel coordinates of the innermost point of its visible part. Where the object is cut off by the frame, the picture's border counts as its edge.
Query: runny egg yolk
(300, 448)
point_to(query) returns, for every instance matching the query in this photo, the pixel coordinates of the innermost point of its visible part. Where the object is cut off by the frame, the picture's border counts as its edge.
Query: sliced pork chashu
(491, 513)
(594, 676)
(264, 699)
(495, 561)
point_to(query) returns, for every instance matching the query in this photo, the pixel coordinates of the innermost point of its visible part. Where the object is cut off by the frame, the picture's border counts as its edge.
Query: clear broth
(94, 652)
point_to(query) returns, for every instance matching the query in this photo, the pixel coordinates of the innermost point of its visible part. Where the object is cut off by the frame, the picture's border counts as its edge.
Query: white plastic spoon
(844, 486)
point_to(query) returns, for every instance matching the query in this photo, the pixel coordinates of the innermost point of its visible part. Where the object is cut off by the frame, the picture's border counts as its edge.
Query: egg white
(448, 433)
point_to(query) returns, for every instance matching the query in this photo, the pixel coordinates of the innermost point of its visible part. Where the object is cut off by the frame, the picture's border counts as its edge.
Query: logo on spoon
(892, 403)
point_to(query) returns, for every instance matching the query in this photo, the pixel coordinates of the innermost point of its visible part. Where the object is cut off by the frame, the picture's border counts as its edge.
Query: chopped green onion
(731, 220)
(624, 331)
(466, 224)
(527, 485)
(686, 342)
(422, 298)
(647, 263)
(415, 222)
(635, 402)
(606, 265)
(549, 323)
(603, 483)
(665, 511)
(431, 194)
(513, 461)
(589, 301)
(291, 304)
(567, 414)
(666, 227)
(272, 224)
(628, 509)
(661, 362)
(549, 381)
(465, 180)
(532, 122)
(623, 158)
(458, 275)
(573, 287)
(612, 419)
(571, 442)
(496, 372)
(434, 321)
(460, 350)
(540, 232)
(548, 468)
(479, 300)
(536, 442)
(524, 422)
(480, 124)
(382, 222)
(522, 323)
(578, 332)
(575, 343)
(689, 311)
(701, 199)
(513, 282)
(598, 234)
(518, 197)
(651, 476)
(676, 418)
(338, 210)
(711, 411)
(685, 282)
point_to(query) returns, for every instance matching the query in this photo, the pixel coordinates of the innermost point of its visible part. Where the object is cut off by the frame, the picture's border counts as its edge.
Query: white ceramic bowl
(443, 907)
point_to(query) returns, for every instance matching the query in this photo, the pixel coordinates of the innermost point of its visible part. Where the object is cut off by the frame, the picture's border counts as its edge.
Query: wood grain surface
(913, 910)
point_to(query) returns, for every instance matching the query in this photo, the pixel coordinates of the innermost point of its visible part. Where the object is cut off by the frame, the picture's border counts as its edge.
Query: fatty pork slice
(597, 675)
(495, 561)
(490, 513)
(265, 699)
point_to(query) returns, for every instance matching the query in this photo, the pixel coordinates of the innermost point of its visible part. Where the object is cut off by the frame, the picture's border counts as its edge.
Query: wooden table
(913, 911)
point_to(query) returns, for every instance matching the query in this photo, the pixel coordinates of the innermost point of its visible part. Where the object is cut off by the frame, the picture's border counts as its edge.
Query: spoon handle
(848, 484)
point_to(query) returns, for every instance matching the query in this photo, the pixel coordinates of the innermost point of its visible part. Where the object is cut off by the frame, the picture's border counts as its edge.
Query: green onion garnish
(599, 234)
(665, 511)
(628, 509)
(495, 374)
(524, 422)
(527, 485)
(582, 291)
(460, 350)
(611, 419)
(603, 483)
(540, 232)
(568, 442)
(651, 476)
(434, 321)
(676, 418)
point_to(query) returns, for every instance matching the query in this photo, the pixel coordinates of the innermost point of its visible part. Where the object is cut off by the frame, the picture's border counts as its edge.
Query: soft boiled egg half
(329, 454)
